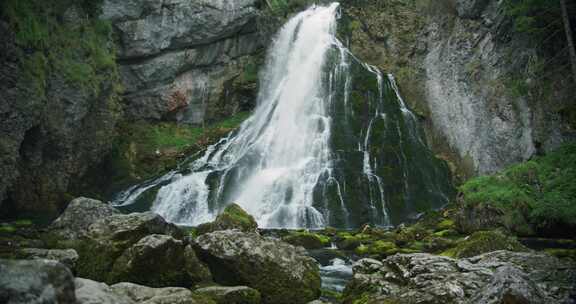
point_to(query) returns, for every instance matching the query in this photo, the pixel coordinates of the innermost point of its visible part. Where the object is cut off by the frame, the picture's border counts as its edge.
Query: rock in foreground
(492, 278)
(36, 281)
(281, 272)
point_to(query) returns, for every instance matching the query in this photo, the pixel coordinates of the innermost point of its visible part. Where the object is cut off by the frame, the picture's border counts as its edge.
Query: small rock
(92, 292)
(233, 217)
(68, 257)
(149, 295)
(231, 295)
(35, 282)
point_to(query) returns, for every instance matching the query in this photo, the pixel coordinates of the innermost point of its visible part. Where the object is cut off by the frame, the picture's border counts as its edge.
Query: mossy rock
(446, 233)
(562, 253)
(233, 217)
(406, 235)
(446, 224)
(230, 295)
(307, 240)
(378, 248)
(484, 241)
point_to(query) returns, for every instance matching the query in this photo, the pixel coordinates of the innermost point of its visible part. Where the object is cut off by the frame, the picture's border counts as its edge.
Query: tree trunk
(569, 37)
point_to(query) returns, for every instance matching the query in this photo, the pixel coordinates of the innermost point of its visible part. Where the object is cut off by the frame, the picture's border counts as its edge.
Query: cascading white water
(281, 151)
(331, 142)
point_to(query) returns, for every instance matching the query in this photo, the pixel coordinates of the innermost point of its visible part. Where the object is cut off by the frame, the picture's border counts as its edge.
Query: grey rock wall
(177, 56)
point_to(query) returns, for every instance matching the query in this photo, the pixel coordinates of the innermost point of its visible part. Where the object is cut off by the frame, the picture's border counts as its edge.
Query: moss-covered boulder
(159, 261)
(307, 239)
(231, 295)
(108, 238)
(282, 273)
(485, 241)
(233, 217)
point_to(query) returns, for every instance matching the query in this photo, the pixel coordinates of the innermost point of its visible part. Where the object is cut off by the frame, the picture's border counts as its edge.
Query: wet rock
(425, 278)
(231, 295)
(78, 216)
(281, 272)
(160, 261)
(37, 281)
(233, 217)
(92, 292)
(68, 257)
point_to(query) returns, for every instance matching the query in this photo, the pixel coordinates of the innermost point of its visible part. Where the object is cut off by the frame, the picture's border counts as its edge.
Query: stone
(92, 292)
(68, 257)
(35, 282)
(78, 216)
(281, 272)
(483, 242)
(524, 277)
(307, 240)
(231, 295)
(233, 217)
(108, 238)
(175, 263)
(471, 8)
(147, 295)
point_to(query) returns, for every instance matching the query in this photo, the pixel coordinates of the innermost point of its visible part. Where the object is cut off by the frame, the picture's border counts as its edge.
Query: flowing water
(331, 142)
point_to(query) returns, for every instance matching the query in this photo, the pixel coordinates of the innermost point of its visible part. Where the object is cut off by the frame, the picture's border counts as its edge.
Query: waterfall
(327, 144)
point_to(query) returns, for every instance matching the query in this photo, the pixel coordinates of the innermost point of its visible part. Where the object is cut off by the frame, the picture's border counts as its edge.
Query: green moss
(446, 224)
(562, 253)
(482, 242)
(306, 239)
(233, 217)
(8, 229)
(539, 193)
(79, 50)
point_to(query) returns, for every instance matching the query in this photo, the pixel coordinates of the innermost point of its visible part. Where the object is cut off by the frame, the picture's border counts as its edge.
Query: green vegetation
(482, 242)
(284, 7)
(308, 240)
(144, 150)
(233, 217)
(62, 37)
(541, 191)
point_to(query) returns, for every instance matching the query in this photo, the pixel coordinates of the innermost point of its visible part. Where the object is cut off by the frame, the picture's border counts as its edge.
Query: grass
(541, 190)
(78, 49)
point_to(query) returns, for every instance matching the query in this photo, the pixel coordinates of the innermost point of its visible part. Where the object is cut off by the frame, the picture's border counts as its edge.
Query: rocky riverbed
(94, 254)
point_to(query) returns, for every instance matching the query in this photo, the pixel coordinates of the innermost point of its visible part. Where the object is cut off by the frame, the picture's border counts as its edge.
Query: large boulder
(78, 216)
(495, 277)
(231, 295)
(233, 217)
(174, 262)
(92, 292)
(109, 237)
(35, 282)
(281, 272)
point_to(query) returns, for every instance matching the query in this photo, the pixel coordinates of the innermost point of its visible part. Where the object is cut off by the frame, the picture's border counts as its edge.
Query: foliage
(482, 242)
(62, 37)
(536, 17)
(542, 190)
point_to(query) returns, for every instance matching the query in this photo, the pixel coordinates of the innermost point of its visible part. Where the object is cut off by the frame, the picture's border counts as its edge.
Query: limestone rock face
(78, 216)
(159, 261)
(495, 277)
(177, 58)
(36, 282)
(281, 272)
